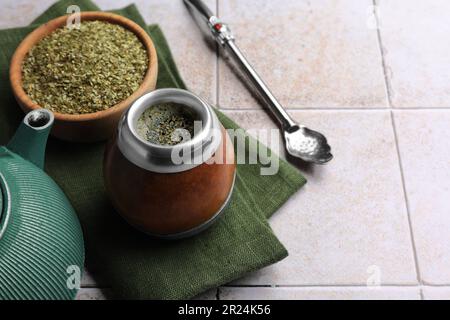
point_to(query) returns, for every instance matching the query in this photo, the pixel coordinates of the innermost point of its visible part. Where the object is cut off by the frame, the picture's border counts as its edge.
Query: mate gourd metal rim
(88, 127)
(157, 158)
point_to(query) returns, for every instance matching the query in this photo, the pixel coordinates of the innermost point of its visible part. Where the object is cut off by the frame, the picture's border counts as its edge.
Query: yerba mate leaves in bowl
(95, 125)
(85, 70)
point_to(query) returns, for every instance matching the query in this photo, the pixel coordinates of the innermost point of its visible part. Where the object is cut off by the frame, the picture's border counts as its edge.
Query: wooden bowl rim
(42, 31)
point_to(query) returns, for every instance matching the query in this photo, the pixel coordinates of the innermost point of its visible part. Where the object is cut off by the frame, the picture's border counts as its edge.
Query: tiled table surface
(379, 87)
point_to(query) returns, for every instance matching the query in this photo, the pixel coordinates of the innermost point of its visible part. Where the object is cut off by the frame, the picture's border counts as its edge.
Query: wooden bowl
(88, 127)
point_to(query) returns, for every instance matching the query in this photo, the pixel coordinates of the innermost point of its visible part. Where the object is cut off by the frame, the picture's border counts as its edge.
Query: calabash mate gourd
(151, 189)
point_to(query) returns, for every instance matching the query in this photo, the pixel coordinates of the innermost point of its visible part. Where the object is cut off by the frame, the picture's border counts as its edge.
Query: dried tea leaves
(85, 70)
(166, 124)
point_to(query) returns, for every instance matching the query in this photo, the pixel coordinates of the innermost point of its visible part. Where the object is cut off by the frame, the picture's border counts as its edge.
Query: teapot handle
(30, 139)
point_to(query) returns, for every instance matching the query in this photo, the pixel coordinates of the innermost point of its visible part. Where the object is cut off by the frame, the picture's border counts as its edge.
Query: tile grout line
(305, 109)
(408, 211)
(341, 109)
(299, 286)
(397, 146)
(383, 61)
(310, 286)
(305, 286)
(419, 287)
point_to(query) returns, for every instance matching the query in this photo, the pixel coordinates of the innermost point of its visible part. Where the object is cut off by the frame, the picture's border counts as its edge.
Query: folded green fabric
(134, 265)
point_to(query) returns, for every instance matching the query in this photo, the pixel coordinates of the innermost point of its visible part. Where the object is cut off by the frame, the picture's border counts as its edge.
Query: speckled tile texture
(317, 54)
(436, 293)
(314, 293)
(350, 220)
(416, 54)
(424, 140)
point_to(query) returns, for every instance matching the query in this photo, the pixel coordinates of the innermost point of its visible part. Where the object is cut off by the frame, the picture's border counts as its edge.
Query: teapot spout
(30, 139)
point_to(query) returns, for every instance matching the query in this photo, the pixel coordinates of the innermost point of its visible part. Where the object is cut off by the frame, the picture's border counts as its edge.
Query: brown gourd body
(169, 203)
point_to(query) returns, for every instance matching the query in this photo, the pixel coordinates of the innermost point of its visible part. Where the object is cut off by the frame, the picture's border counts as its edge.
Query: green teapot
(41, 242)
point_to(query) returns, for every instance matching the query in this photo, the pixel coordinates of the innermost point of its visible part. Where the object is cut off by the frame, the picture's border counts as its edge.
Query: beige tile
(424, 141)
(19, 13)
(414, 34)
(311, 53)
(322, 293)
(436, 293)
(92, 294)
(349, 223)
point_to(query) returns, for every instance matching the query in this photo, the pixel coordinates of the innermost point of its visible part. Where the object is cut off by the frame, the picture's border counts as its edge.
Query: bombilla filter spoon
(301, 142)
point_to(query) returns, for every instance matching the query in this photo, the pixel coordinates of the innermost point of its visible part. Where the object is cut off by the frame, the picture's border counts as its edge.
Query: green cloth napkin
(134, 265)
